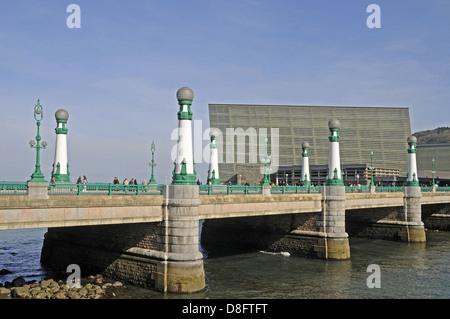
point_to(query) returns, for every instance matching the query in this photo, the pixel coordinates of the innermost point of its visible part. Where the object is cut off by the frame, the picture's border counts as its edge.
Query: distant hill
(440, 135)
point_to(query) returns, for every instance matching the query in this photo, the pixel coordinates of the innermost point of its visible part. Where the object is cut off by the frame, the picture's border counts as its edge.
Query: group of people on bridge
(133, 181)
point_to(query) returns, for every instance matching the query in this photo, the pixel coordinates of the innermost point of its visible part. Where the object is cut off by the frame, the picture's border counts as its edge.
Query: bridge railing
(103, 189)
(21, 188)
(230, 189)
(388, 189)
(295, 189)
(438, 188)
(13, 188)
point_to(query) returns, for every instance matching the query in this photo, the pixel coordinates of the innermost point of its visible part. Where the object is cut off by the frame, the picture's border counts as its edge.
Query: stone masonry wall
(102, 249)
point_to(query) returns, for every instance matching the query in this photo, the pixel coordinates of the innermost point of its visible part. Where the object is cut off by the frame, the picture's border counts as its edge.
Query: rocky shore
(93, 287)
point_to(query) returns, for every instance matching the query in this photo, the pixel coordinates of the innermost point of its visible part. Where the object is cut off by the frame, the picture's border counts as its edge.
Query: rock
(117, 284)
(5, 272)
(83, 292)
(73, 295)
(35, 290)
(107, 285)
(46, 283)
(19, 282)
(64, 287)
(53, 289)
(21, 292)
(4, 291)
(42, 295)
(98, 279)
(99, 291)
(60, 295)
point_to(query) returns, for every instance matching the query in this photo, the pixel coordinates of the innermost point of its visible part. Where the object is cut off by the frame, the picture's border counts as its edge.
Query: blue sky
(118, 74)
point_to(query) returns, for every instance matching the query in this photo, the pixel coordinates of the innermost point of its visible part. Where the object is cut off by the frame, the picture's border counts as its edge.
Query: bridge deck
(17, 211)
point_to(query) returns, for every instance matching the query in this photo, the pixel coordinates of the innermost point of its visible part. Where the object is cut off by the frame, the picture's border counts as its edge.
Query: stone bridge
(19, 211)
(153, 240)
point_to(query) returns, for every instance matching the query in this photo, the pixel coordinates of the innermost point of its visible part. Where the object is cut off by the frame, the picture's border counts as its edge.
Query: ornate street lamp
(153, 164)
(37, 176)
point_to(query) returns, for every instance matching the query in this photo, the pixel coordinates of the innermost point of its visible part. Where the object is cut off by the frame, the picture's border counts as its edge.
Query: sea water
(406, 270)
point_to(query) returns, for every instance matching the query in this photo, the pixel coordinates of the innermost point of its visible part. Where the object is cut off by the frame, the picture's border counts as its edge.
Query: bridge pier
(333, 243)
(413, 229)
(181, 271)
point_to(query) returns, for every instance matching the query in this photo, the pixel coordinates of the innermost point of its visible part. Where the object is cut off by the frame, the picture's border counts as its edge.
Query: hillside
(440, 135)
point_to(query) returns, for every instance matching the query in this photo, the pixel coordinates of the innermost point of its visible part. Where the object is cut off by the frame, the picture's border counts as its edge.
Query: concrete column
(334, 177)
(334, 244)
(60, 165)
(184, 172)
(213, 173)
(413, 229)
(306, 175)
(181, 271)
(412, 179)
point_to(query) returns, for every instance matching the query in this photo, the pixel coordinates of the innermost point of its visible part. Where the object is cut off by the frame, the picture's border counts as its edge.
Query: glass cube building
(441, 155)
(383, 129)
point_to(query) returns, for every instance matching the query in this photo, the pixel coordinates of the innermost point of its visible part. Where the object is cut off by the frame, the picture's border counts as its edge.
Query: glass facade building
(383, 129)
(441, 155)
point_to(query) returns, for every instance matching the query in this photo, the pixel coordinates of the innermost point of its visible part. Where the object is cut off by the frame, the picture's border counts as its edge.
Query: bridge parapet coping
(70, 201)
(256, 198)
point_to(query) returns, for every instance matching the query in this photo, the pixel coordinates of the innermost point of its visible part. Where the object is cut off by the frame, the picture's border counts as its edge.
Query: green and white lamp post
(266, 179)
(37, 176)
(372, 182)
(305, 178)
(433, 172)
(153, 164)
(61, 166)
(412, 179)
(213, 173)
(335, 177)
(184, 172)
